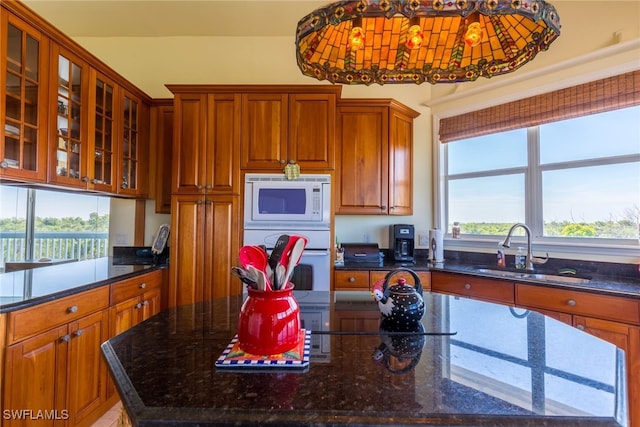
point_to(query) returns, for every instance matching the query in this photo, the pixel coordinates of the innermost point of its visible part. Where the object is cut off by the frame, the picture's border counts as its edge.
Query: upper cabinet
(294, 124)
(206, 150)
(375, 160)
(161, 159)
(23, 93)
(104, 110)
(69, 146)
(133, 128)
(67, 119)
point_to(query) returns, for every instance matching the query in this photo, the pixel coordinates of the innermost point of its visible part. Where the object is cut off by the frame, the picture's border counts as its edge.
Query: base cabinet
(364, 280)
(611, 318)
(201, 261)
(60, 370)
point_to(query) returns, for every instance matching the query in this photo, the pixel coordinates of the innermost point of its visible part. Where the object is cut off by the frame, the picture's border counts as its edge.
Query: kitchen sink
(532, 276)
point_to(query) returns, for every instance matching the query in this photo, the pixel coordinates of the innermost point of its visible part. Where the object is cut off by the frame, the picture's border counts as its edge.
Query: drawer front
(351, 280)
(577, 302)
(483, 289)
(377, 275)
(136, 286)
(30, 321)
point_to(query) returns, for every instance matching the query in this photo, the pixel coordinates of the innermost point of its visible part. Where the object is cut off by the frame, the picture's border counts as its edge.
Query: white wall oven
(275, 205)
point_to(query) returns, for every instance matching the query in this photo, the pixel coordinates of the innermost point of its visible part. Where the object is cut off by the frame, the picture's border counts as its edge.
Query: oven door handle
(315, 252)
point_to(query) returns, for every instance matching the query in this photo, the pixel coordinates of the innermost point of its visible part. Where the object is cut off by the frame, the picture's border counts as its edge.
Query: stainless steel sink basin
(532, 276)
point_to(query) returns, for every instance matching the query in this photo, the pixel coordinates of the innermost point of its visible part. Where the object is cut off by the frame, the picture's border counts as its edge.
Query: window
(36, 224)
(574, 179)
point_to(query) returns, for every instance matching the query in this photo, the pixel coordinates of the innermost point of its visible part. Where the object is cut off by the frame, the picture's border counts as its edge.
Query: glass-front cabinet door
(102, 107)
(23, 97)
(68, 158)
(133, 146)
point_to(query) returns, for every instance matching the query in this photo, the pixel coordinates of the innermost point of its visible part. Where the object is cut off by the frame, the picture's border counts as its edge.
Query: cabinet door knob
(198, 202)
(208, 187)
(352, 279)
(208, 202)
(138, 305)
(282, 162)
(85, 179)
(581, 327)
(95, 181)
(142, 285)
(145, 303)
(383, 208)
(4, 164)
(65, 338)
(467, 286)
(199, 187)
(124, 186)
(72, 309)
(571, 303)
(392, 207)
(78, 332)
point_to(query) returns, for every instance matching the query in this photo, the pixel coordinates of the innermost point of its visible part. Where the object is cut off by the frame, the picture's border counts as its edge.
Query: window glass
(486, 205)
(65, 225)
(613, 133)
(488, 152)
(585, 185)
(598, 201)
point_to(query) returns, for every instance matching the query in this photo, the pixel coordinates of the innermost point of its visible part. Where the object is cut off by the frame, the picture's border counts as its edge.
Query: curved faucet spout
(530, 258)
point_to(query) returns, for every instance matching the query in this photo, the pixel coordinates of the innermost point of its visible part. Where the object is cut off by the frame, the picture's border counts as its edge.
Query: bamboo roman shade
(588, 98)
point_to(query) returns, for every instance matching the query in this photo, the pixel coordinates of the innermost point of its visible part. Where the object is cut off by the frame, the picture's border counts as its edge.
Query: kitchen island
(475, 363)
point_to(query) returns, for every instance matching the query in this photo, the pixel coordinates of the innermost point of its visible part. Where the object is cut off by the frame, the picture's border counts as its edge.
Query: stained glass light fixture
(412, 41)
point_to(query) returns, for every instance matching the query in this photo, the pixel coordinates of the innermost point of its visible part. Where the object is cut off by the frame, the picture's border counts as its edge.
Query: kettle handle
(417, 285)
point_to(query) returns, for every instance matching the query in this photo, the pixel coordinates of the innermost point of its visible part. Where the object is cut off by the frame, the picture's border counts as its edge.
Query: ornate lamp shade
(412, 41)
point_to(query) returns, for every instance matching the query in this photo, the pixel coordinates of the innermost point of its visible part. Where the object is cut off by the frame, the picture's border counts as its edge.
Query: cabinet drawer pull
(352, 279)
(581, 327)
(78, 332)
(65, 338)
(72, 309)
(571, 303)
(467, 286)
(142, 285)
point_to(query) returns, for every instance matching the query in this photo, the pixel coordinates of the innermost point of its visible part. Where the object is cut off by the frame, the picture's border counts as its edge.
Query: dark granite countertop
(480, 364)
(21, 289)
(604, 278)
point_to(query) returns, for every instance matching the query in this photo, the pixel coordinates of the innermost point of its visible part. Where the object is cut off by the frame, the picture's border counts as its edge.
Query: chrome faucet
(530, 258)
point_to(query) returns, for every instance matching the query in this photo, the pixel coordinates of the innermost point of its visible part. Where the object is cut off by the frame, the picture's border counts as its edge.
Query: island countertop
(477, 364)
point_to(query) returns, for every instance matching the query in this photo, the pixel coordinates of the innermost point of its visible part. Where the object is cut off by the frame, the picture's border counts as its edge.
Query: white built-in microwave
(272, 200)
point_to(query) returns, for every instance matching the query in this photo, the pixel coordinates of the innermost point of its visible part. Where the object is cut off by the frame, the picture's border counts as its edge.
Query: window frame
(618, 249)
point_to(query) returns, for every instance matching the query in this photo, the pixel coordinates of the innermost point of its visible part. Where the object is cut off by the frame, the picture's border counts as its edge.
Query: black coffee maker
(402, 241)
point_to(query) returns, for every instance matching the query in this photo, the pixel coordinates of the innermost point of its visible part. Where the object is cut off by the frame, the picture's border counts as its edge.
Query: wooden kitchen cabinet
(55, 349)
(204, 247)
(160, 153)
(206, 150)
(133, 149)
(285, 127)
(364, 280)
(23, 124)
(69, 98)
(134, 300)
(473, 287)
(375, 157)
(611, 318)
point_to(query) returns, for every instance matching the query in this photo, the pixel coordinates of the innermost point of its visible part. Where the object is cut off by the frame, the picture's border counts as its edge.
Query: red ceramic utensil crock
(269, 322)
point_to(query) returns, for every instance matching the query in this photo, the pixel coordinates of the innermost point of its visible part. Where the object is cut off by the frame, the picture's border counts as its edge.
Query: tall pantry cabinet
(205, 229)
